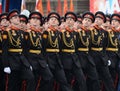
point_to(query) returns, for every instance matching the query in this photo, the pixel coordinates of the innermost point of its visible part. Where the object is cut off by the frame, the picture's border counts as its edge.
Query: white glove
(109, 62)
(7, 70)
(31, 68)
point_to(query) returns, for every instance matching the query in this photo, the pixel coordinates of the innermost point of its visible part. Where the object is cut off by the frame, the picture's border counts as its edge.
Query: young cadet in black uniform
(26, 78)
(35, 53)
(23, 22)
(4, 23)
(112, 45)
(51, 42)
(13, 59)
(106, 25)
(83, 45)
(98, 37)
(118, 85)
(69, 58)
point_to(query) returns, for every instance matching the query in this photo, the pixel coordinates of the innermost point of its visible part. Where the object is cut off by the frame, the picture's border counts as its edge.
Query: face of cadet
(35, 21)
(115, 23)
(15, 20)
(4, 22)
(70, 21)
(108, 22)
(53, 21)
(99, 21)
(23, 24)
(86, 22)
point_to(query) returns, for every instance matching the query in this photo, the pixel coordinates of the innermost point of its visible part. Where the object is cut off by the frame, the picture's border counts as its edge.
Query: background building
(79, 5)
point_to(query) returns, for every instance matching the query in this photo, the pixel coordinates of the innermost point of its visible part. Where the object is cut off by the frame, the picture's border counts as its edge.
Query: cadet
(51, 42)
(112, 46)
(98, 44)
(13, 59)
(34, 53)
(83, 48)
(4, 23)
(69, 58)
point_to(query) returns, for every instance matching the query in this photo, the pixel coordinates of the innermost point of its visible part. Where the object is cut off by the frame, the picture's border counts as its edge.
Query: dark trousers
(15, 78)
(100, 61)
(113, 57)
(43, 77)
(2, 80)
(89, 69)
(28, 76)
(60, 78)
(77, 73)
(13, 81)
(92, 79)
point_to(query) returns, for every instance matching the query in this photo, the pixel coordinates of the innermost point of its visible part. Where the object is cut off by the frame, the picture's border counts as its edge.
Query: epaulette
(4, 35)
(91, 29)
(45, 34)
(63, 30)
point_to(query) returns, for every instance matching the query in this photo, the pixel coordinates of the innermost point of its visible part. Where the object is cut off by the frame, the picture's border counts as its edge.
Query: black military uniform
(2, 75)
(28, 81)
(119, 60)
(34, 54)
(98, 36)
(12, 55)
(69, 58)
(112, 48)
(87, 63)
(51, 42)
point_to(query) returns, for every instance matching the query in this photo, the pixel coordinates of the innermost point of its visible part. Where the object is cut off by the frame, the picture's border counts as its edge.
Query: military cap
(100, 14)
(23, 18)
(3, 16)
(115, 17)
(54, 14)
(12, 14)
(70, 15)
(89, 15)
(37, 15)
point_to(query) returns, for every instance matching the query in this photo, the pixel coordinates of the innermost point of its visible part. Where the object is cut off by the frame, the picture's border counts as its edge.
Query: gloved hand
(109, 62)
(7, 70)
(31, 68)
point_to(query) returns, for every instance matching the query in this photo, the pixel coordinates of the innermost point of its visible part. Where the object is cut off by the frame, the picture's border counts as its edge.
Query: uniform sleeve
(5, 42)
(26, 44)
(76, 41)
(90, 39)
(105, 41)
(44, 42)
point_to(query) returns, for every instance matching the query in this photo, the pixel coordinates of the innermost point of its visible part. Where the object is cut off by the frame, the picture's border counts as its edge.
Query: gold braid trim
(83, 42)
(115, 43)
(17, 42)
(52, 43)
(36, 43)
(93, 39)
(70, 44)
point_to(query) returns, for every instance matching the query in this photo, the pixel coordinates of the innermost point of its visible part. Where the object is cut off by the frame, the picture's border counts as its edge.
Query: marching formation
(53, 53)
